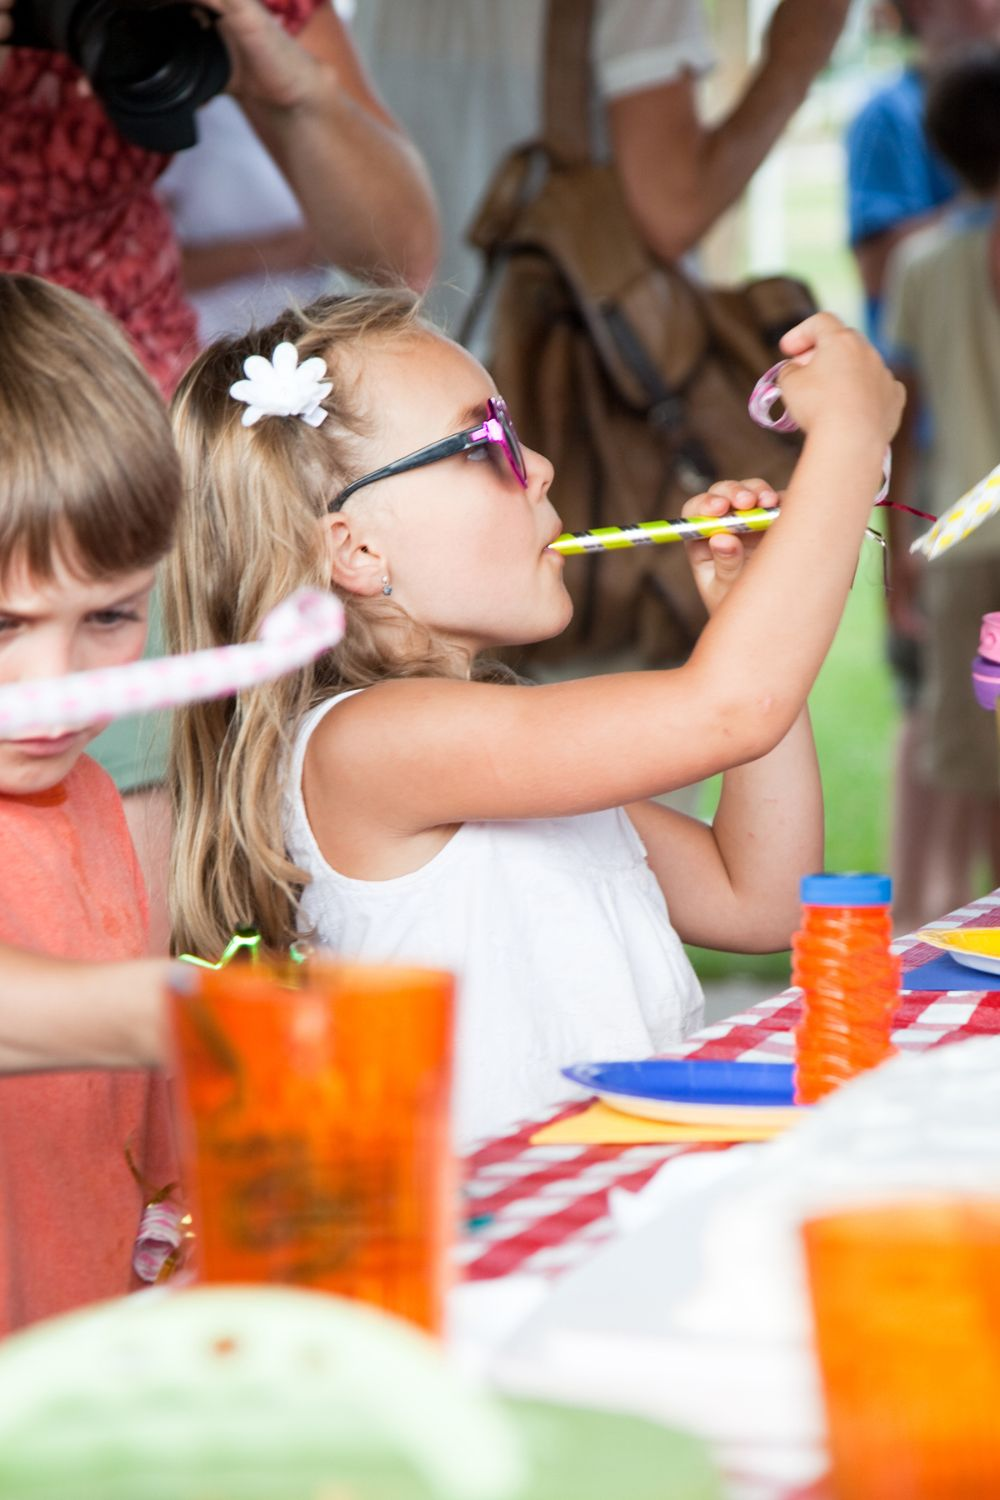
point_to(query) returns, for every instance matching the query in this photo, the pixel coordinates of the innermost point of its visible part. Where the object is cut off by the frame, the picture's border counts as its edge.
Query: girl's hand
(270, 68)
(718, 561)
(838, 377)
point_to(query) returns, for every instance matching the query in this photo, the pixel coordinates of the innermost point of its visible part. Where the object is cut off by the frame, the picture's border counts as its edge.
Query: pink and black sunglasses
(498, 429)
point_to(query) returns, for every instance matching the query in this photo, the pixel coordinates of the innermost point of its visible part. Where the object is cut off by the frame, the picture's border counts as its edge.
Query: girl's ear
(355, 565)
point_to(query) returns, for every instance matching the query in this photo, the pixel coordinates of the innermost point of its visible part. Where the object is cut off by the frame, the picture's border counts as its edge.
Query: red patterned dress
(77, 204)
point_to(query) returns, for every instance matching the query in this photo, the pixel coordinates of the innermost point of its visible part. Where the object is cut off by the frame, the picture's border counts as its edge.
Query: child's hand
(838, 376)
(718, 561)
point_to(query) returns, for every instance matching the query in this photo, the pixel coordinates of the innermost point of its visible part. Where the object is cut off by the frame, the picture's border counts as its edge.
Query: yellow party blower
(655, 533)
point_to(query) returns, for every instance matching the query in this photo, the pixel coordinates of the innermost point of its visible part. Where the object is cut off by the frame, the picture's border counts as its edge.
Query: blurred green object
(265, 1393)
(134, 751)
(575, 1454)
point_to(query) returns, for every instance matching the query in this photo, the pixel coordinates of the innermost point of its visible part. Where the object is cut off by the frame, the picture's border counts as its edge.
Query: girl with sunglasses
(401, 799)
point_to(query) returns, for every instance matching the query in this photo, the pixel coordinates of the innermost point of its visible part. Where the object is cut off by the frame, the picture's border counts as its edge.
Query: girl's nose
(540, 473)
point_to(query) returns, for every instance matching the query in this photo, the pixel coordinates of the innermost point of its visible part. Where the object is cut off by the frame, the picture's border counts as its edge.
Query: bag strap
(564, 137)
(568, 81)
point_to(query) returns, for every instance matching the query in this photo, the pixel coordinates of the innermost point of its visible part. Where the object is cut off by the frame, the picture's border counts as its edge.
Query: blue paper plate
(688, 1091)
(684, 1080)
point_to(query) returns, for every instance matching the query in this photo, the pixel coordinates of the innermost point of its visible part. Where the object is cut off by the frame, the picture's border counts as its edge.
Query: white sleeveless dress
(556, 928)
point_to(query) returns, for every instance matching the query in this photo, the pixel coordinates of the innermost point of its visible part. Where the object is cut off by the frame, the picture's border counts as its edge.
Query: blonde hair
(88, 470)
(248, 537)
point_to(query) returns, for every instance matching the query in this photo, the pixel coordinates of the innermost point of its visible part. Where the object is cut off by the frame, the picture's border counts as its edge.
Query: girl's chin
(544, 630)
(561, 623)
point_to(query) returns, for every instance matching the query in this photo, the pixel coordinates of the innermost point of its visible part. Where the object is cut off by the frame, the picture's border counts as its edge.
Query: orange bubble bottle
(849, 979)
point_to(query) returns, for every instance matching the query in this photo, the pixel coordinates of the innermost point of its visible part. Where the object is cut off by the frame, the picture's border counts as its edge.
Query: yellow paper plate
(975, 947)
(600, 1125)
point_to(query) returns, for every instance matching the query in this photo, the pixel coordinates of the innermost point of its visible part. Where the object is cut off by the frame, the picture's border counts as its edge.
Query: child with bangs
(397, 804)
(89, 493)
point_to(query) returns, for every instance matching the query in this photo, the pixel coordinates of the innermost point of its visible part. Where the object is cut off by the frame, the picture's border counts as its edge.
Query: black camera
(151, 63)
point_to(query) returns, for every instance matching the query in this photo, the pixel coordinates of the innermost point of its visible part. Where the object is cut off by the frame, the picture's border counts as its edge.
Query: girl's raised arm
(408, 756)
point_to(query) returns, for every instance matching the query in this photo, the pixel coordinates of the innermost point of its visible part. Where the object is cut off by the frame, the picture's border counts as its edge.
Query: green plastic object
(238, 1393)
(577, 1454)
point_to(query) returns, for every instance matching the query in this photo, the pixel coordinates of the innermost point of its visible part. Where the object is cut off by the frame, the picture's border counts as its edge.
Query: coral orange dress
(70, 1203)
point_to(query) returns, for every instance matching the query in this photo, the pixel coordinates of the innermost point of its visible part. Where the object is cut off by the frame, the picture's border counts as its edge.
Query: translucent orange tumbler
(314, 1122)
(907, 1313)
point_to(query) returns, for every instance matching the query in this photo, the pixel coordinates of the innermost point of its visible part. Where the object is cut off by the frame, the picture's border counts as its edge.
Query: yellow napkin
(602, 1126)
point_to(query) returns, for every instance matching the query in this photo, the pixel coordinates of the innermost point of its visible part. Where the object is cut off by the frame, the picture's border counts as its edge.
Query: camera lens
(137, 50)
(150, 53)
(151, 63)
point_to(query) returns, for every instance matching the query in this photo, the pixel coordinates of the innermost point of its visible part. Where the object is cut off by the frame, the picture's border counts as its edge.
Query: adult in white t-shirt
(464, 77)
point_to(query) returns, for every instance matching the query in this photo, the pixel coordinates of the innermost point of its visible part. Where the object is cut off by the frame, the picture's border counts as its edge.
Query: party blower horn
(654, 533)
(966, 515)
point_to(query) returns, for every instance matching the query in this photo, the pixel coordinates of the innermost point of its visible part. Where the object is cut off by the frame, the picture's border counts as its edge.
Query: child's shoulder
(89, 780)
(94, 804)
(71, 884)
(86, 791)
(369, 743)
(935, 252)
(390, 713)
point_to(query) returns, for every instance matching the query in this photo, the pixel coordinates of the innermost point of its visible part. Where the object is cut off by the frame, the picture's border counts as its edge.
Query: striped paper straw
(965, 516)
(305, 625)
(654, 533)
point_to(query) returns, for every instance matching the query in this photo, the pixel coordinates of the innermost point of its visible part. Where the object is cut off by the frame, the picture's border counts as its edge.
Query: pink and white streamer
(160, 1237)
(764, 395)
(296, 632)
(767, 392)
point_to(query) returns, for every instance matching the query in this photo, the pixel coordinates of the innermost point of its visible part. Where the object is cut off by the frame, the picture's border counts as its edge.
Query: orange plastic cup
(314, 1122)
(907, 1312)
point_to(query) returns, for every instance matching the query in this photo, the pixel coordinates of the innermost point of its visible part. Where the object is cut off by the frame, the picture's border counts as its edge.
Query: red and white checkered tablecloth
(542, 1209)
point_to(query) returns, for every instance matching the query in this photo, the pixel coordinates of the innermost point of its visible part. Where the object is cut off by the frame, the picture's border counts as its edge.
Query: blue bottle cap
(846, 890)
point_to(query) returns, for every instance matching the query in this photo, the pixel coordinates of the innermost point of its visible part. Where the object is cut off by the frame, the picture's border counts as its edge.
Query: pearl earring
(386, 585)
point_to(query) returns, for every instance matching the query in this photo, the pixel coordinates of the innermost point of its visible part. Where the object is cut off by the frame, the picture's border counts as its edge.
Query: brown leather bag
(630, 376)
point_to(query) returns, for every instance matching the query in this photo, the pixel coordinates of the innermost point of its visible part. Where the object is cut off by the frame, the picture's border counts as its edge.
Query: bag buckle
(666, 414)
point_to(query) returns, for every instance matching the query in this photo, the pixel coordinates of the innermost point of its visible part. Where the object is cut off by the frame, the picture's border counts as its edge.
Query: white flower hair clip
(281, 387)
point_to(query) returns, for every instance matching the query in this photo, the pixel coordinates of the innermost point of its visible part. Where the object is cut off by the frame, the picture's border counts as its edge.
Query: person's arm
(220, 261)
(362, 185)
(887, 187)
(768, 827)
(734, 884)
(59, 1014)
(874, 252)
(904, 569)
(679, 174)
(905, 295)
(411, 756)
